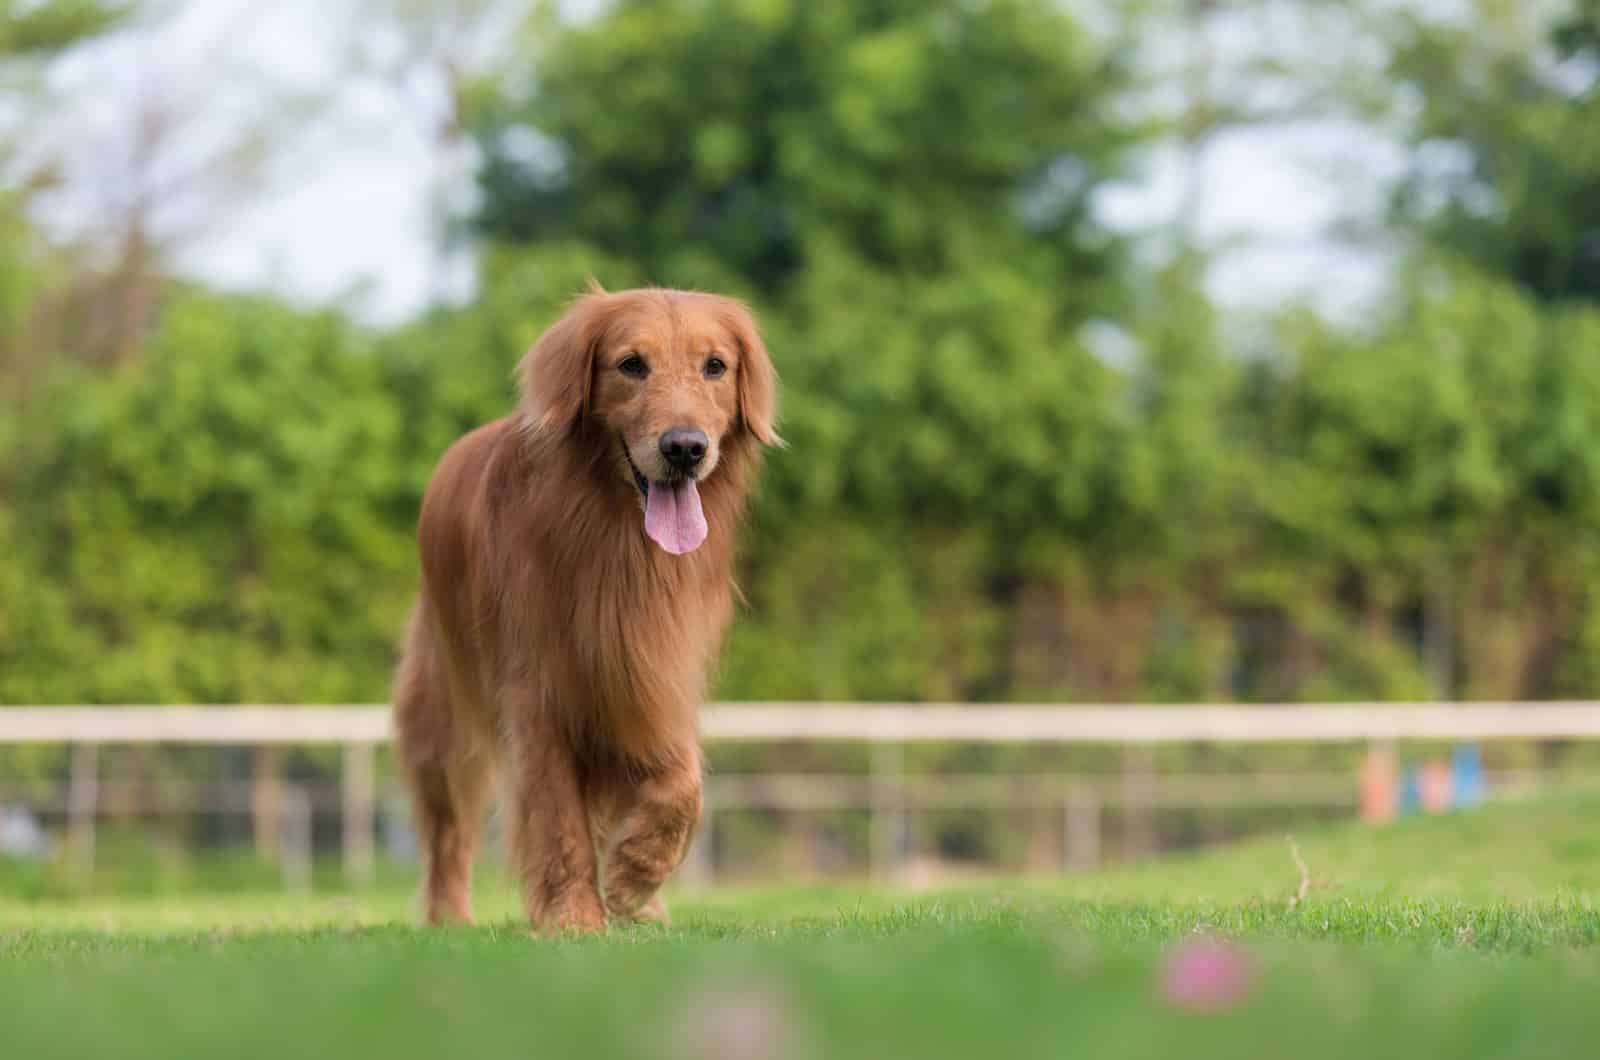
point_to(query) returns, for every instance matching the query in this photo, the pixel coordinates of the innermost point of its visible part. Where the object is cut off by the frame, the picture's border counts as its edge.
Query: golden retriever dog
(577, 562)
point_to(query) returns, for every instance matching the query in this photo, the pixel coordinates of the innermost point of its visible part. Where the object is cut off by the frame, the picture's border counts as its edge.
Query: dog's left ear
(758, 380)
(558, 371)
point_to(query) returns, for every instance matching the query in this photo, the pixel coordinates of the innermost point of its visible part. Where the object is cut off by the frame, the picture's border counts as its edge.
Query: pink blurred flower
(736, 1021)
(1207, 974)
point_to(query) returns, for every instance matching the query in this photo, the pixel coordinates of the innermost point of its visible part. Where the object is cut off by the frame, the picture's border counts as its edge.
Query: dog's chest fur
(622, 647)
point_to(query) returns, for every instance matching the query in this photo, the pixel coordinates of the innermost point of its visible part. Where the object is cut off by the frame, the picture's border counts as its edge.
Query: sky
(345, 213)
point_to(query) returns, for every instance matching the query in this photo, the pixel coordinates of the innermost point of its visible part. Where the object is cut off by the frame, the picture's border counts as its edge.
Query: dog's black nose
(684, 447)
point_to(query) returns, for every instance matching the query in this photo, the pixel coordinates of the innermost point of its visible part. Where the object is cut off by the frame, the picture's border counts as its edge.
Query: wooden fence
(886, 793)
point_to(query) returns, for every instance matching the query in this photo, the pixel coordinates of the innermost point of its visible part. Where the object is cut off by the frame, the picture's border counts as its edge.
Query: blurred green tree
(739, 142)
(31, 34)
(1504, 127)
(220, 525)
(39, 28)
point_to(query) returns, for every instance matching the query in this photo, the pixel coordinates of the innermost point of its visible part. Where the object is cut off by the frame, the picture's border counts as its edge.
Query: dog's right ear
(557, 372)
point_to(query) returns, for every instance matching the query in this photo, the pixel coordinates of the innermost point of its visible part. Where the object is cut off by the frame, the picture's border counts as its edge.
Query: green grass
(1468, 936)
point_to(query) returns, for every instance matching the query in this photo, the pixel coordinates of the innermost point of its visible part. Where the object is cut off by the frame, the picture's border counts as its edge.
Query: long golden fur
(553, 642)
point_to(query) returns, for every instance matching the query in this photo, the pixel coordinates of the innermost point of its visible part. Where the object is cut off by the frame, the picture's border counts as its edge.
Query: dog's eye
(715, 368)
(634, 365)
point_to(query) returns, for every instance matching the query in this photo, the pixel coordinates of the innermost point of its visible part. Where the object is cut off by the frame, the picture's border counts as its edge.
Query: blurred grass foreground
(1470, 936)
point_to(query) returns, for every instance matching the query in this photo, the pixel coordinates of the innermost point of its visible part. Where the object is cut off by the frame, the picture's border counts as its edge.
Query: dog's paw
(575, 918)
(447, 913)
(653, 912)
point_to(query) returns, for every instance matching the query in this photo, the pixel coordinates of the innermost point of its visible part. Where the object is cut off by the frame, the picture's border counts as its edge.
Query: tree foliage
(29, 29)
(750, 141)
(1506, 166)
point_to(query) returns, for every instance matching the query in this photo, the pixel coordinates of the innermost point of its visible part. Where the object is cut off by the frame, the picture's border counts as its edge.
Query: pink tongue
(673, 519)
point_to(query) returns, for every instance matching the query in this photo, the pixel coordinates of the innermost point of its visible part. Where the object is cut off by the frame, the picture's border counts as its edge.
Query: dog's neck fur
(581, 542)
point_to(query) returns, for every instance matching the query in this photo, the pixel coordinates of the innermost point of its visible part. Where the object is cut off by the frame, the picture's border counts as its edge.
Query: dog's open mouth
(673, 517)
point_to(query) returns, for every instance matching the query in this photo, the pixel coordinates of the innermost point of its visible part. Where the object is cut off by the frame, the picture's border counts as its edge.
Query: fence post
(83, 796)
(888, 809)
(1081, 836)
(1138, 799)
(266, 799)
(359, 793)
(294, 838)
(1379, 782)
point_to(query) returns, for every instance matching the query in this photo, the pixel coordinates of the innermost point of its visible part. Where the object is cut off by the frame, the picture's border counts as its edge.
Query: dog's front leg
(549, 831)
(650, 838)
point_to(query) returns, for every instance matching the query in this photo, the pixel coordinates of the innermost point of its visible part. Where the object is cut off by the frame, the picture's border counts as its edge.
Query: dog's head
(671, 378)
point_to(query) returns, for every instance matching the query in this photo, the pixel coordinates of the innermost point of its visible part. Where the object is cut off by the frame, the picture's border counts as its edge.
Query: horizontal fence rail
(863, 722)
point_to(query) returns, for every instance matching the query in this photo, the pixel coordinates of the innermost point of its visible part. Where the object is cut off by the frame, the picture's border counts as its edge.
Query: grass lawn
(1475, 935)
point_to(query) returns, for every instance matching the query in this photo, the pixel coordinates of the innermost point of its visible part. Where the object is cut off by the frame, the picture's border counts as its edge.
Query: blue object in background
(1410, 792)
(1467, 768)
